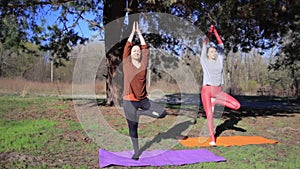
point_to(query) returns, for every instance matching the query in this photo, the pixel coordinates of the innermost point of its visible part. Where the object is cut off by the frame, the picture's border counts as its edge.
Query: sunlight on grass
(24, 135)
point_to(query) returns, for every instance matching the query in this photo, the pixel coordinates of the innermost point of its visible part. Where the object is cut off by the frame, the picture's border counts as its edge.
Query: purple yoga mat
(157, 157)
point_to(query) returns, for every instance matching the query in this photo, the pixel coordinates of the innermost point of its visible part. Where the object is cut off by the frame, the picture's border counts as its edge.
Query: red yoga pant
(221, 98)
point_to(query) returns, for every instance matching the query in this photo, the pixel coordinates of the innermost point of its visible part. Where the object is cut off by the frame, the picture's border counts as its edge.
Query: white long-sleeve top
(212, 69)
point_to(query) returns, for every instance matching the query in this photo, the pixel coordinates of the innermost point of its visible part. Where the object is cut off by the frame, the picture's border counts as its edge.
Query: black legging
(133, 110)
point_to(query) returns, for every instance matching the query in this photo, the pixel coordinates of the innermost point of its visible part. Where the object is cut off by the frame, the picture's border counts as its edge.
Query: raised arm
(126, 51)
(142, 40)
(205, 41)
(220, 48)
(144, 47)
(218, 36)
(132, 33)
(211, 29)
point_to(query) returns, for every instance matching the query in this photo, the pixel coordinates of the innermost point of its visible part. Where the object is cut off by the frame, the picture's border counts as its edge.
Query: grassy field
(44, 132)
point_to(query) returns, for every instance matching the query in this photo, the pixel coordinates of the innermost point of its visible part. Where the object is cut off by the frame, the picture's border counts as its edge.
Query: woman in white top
(211, 93)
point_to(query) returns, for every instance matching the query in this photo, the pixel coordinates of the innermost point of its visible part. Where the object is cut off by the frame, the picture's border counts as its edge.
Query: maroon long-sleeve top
(134, 78)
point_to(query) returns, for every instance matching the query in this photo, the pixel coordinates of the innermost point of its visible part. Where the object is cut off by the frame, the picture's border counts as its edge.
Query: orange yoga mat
(226, 141)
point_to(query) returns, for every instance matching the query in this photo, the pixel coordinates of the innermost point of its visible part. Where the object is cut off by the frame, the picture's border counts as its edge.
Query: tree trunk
(116, 35)
(1, 63)
(294, 85)
(1, 70)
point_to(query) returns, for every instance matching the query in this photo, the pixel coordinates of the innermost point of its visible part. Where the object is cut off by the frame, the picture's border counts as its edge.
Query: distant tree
(288, 58)
(11, 41)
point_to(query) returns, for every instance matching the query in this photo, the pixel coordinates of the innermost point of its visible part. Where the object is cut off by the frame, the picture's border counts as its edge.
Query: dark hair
(211, 45)
(135, 44)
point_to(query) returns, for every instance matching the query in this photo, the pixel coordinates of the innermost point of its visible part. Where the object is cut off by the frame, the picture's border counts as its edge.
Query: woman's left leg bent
(152, 109)
(226, 100)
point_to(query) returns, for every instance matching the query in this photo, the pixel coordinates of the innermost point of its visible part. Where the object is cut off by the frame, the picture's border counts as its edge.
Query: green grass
(24, 130)
(51, 138)
(25, 135)
(74, 126)
(15, 104)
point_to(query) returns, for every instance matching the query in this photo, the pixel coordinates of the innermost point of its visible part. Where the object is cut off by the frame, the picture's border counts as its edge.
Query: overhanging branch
(32, 3)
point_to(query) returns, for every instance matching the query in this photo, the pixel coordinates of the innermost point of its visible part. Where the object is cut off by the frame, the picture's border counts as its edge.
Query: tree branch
(91, 22)
(14, 5)
(83, 18)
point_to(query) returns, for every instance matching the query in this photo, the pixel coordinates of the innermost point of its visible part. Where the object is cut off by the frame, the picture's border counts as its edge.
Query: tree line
(246, 73)
(246, 25)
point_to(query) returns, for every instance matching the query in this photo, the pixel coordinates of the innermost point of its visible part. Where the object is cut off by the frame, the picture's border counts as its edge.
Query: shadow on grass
(251, 106)
(172, 133)
(229, 124)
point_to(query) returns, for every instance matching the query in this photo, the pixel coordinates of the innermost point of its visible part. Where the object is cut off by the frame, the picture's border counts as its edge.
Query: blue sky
(81, 28)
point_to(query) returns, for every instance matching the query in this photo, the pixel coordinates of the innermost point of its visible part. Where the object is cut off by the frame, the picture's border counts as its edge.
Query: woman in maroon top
(135, 101)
